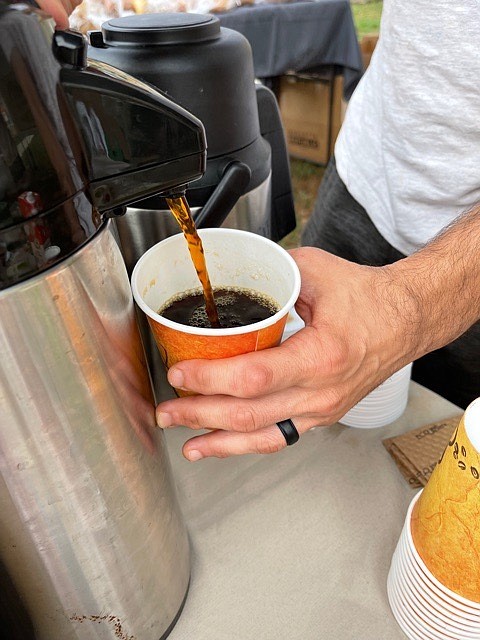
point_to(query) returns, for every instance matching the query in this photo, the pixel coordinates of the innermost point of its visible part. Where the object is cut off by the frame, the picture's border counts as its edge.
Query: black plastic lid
(212, 78)
(158, 29)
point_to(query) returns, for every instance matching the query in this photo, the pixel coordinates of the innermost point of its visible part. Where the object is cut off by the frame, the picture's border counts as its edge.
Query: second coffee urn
(209, 71)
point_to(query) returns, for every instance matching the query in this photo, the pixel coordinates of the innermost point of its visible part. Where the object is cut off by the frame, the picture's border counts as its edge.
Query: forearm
(441, 285)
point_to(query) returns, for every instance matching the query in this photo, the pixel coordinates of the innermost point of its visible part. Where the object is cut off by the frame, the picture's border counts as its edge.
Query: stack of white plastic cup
(380, 407)
(383, 405)
(424, 608)
(294, 324)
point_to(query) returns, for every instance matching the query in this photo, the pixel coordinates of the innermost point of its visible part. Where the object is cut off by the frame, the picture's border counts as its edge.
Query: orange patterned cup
(234, 259)
(445, 521)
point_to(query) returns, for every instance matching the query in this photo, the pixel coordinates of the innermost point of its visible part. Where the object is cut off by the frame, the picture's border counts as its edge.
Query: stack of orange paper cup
(434, 579)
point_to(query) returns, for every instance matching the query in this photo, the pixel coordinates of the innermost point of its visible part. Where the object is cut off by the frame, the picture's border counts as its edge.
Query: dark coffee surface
(236, 308)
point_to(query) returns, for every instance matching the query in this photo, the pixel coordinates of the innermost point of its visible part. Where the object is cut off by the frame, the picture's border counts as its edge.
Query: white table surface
(297, 545)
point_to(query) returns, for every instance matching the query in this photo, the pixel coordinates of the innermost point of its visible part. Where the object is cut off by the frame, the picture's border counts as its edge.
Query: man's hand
(362, 324)
(59, 10)
(358, 332)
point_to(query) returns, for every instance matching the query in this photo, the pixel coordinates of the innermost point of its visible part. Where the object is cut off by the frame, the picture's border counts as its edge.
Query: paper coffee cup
(446, 518)
(421, 604)
(234, 258)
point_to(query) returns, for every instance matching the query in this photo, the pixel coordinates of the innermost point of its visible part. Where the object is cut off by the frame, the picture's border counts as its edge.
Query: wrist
(402, 315)
(411, 312)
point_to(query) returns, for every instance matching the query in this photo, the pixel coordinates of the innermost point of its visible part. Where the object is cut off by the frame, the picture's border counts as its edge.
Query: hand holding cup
(349, 345)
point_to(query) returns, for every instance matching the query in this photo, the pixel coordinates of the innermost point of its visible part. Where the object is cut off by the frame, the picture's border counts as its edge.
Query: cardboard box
(367, 47)
(311, 109)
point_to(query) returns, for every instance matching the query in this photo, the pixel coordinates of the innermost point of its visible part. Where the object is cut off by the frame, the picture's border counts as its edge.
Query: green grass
(306, 179)
(367, 17)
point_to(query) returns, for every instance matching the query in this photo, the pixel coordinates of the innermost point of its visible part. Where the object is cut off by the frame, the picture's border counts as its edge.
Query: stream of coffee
(181, 211)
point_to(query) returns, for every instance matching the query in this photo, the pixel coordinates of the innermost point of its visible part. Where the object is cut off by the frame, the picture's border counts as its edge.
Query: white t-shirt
(409, 149)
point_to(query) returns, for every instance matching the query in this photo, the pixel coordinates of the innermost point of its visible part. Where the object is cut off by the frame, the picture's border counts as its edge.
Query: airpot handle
(233, 184)
(271, 128)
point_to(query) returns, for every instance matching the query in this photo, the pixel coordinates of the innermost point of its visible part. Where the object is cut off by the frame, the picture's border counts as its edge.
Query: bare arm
(362, 324)
(442, 282)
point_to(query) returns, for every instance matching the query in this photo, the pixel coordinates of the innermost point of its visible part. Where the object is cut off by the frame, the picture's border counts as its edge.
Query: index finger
(248, 375)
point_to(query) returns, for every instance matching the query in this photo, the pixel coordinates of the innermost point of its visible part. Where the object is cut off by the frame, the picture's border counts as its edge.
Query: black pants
(341, 226)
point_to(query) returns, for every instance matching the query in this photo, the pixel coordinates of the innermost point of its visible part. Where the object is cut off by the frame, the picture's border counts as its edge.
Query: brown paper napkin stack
(417, 452)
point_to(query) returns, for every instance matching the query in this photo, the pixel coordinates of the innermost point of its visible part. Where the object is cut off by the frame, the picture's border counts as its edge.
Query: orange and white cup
(445, 520)
(234, 258)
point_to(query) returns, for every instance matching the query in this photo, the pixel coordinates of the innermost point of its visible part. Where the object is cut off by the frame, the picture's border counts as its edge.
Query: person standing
(399, 204)
(406, 160)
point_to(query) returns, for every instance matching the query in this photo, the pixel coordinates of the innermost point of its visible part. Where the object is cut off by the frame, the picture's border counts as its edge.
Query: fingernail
(176, 378)
(193, 455)
(164, 420)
